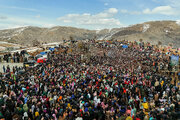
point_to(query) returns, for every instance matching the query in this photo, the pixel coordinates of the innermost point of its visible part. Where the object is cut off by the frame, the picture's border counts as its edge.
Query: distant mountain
(29, 35)
(164, 31)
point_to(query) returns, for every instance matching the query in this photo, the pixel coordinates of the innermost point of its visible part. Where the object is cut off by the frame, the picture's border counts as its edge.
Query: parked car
(41, 60)
(38, 56)
(30, 63)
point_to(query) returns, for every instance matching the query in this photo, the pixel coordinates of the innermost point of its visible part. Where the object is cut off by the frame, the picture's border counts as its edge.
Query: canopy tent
(43, 53)
(52, 49)
(125, 46)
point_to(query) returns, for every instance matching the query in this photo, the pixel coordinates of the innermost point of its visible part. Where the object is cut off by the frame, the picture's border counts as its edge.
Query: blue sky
(88, 14)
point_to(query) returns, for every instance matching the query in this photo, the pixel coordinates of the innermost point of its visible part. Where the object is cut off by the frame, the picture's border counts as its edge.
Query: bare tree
(159, 43)
(36, 43)
(141, 40)
(80, 45)
(170, 44)
(71, 39)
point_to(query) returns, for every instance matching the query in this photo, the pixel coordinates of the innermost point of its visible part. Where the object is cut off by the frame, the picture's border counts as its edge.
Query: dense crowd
(15, 69)
(15, 57)
(120, 84)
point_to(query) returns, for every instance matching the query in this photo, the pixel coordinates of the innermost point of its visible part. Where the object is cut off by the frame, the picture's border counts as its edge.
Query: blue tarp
(51, 49)
(124, 46)
(43, 53)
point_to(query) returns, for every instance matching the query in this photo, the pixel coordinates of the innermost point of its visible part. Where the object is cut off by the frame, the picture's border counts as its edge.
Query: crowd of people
(15, 69)
(15, 57)
(120, 84)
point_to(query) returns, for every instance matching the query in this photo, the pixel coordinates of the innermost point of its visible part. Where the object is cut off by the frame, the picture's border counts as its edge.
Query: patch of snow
(110, 30)
(5, 36)
(16, 51)
(145, 27)
(167, 31)
(33, 49)
(20, 30)
(97, 31)
(5, 32)
(111, 34)
(101, 38)
(108, 35)
(53, 29)
(2, 42)
(15, 33)
(54, 43)
(178, 22)
(2, 48)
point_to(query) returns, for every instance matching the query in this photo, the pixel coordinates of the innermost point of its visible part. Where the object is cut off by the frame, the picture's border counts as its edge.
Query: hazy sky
(90, 14)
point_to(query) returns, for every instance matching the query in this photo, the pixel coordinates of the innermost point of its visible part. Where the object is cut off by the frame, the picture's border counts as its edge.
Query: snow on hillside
(108, 35)
(54, 29)
(7, 43)
(167, 31)
(16, 32)
(97, 31)
(54, 43)
(111, 34)
(20, 30)
(2, 48)
(178, 22)
(146, 27)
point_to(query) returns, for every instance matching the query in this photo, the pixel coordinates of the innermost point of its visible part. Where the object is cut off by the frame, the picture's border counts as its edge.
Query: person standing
(4, 69)
(14, 58)
(175, 82)
(14, 69)
(18, 60)
(8, 69)
(1, 59)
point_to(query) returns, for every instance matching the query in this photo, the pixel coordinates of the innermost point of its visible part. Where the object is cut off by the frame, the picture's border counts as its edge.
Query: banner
(174, 60)
(124, 46)
(42, 53)
(52, 49)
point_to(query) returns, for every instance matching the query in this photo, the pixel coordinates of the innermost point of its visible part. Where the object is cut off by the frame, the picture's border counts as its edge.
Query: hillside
(29, 35)
(164, 31)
